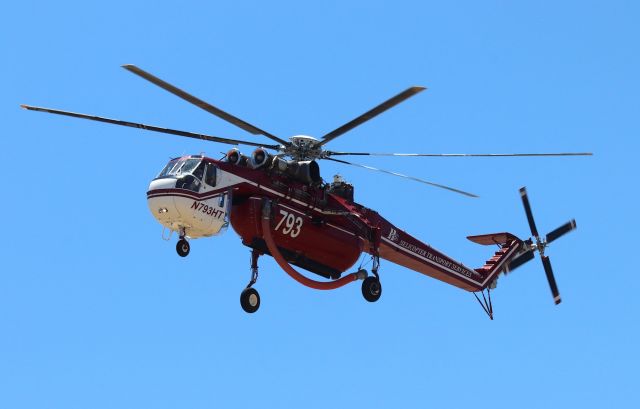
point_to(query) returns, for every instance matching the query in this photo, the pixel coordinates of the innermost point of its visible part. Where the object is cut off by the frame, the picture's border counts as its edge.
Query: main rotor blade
(527, 209)
(403, 176)
(390, 103)
(552, 281)
(202, 104)
(148, 127)
(452, 155)
(561, 231)
(520, 260)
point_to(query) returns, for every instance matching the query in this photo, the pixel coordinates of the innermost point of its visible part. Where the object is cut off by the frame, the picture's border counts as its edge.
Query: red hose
(318, 285)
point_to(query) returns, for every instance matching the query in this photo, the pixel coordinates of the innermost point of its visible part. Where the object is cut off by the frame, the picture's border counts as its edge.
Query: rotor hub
(303, 147)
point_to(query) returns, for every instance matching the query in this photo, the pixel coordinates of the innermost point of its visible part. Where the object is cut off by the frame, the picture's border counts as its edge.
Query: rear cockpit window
(199, 172)
(210, 178)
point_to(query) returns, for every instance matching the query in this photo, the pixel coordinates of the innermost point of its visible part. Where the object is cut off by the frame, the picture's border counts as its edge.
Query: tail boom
(401, 248)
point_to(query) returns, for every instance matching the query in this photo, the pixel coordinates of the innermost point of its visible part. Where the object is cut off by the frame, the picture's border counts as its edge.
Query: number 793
(291, 224)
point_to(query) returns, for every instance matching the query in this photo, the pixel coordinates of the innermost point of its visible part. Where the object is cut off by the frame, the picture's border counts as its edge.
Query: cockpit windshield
(168, 169)
(181, 166)
(189, 165)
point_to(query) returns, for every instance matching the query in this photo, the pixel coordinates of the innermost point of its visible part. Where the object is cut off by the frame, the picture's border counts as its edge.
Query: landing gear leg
(183, 247)
(249, 298)
(371, 287)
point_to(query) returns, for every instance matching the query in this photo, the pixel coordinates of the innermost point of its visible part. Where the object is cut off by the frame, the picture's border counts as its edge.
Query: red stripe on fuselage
(185, 193)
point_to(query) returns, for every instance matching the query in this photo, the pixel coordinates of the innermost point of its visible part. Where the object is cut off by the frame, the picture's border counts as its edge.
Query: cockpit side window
(210, 178)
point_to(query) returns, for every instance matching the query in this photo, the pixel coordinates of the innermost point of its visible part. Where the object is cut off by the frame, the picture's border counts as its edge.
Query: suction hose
(273, 249)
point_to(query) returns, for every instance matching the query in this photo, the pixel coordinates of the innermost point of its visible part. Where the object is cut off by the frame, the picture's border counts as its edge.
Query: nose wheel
(183, 247)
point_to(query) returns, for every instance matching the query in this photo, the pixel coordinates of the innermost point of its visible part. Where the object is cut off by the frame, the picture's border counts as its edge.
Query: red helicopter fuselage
(317, 226)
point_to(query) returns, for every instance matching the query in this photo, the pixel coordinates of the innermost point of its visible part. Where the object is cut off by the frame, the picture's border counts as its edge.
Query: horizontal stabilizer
(493, 238)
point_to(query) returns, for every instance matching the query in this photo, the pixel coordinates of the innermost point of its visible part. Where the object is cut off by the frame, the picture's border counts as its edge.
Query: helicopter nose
(186, 211)
(162, 204)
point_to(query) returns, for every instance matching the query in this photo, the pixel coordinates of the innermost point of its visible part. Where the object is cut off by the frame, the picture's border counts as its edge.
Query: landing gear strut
(250, 298)
(371, 287)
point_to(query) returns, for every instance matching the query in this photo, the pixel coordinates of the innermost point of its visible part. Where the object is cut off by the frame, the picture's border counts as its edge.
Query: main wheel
(371, 289)
(183, 248)
(250, 300)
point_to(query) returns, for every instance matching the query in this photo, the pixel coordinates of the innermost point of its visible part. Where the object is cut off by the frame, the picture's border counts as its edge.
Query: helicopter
(278, 203)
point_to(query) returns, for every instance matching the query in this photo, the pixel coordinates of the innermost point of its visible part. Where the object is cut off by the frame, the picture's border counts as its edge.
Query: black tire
(250, 300)
(371, 289)
(183, 248)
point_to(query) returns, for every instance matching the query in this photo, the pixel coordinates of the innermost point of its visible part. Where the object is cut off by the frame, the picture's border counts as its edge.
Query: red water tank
(305, 241)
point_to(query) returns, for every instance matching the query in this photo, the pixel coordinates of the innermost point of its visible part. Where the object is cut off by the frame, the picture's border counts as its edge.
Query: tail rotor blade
(561, 231)
(527, 209)
(520, 260)
(539, 246)
(552, 281)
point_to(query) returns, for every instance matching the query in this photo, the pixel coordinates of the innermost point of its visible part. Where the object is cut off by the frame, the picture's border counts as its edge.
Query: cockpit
(186, 197)
(190, 172)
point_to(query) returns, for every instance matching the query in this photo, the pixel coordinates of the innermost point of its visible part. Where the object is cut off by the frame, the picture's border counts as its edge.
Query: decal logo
(208, 210)
(393, 235)
(292, 224)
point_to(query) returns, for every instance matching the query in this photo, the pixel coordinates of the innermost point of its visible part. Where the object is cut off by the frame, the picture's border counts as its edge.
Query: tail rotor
(561, 231)
(540, 244)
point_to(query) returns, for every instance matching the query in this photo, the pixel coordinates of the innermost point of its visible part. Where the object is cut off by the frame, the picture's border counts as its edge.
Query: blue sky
(96, 310)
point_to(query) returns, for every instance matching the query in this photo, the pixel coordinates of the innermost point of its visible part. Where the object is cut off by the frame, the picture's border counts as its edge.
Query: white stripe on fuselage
(440, 266)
